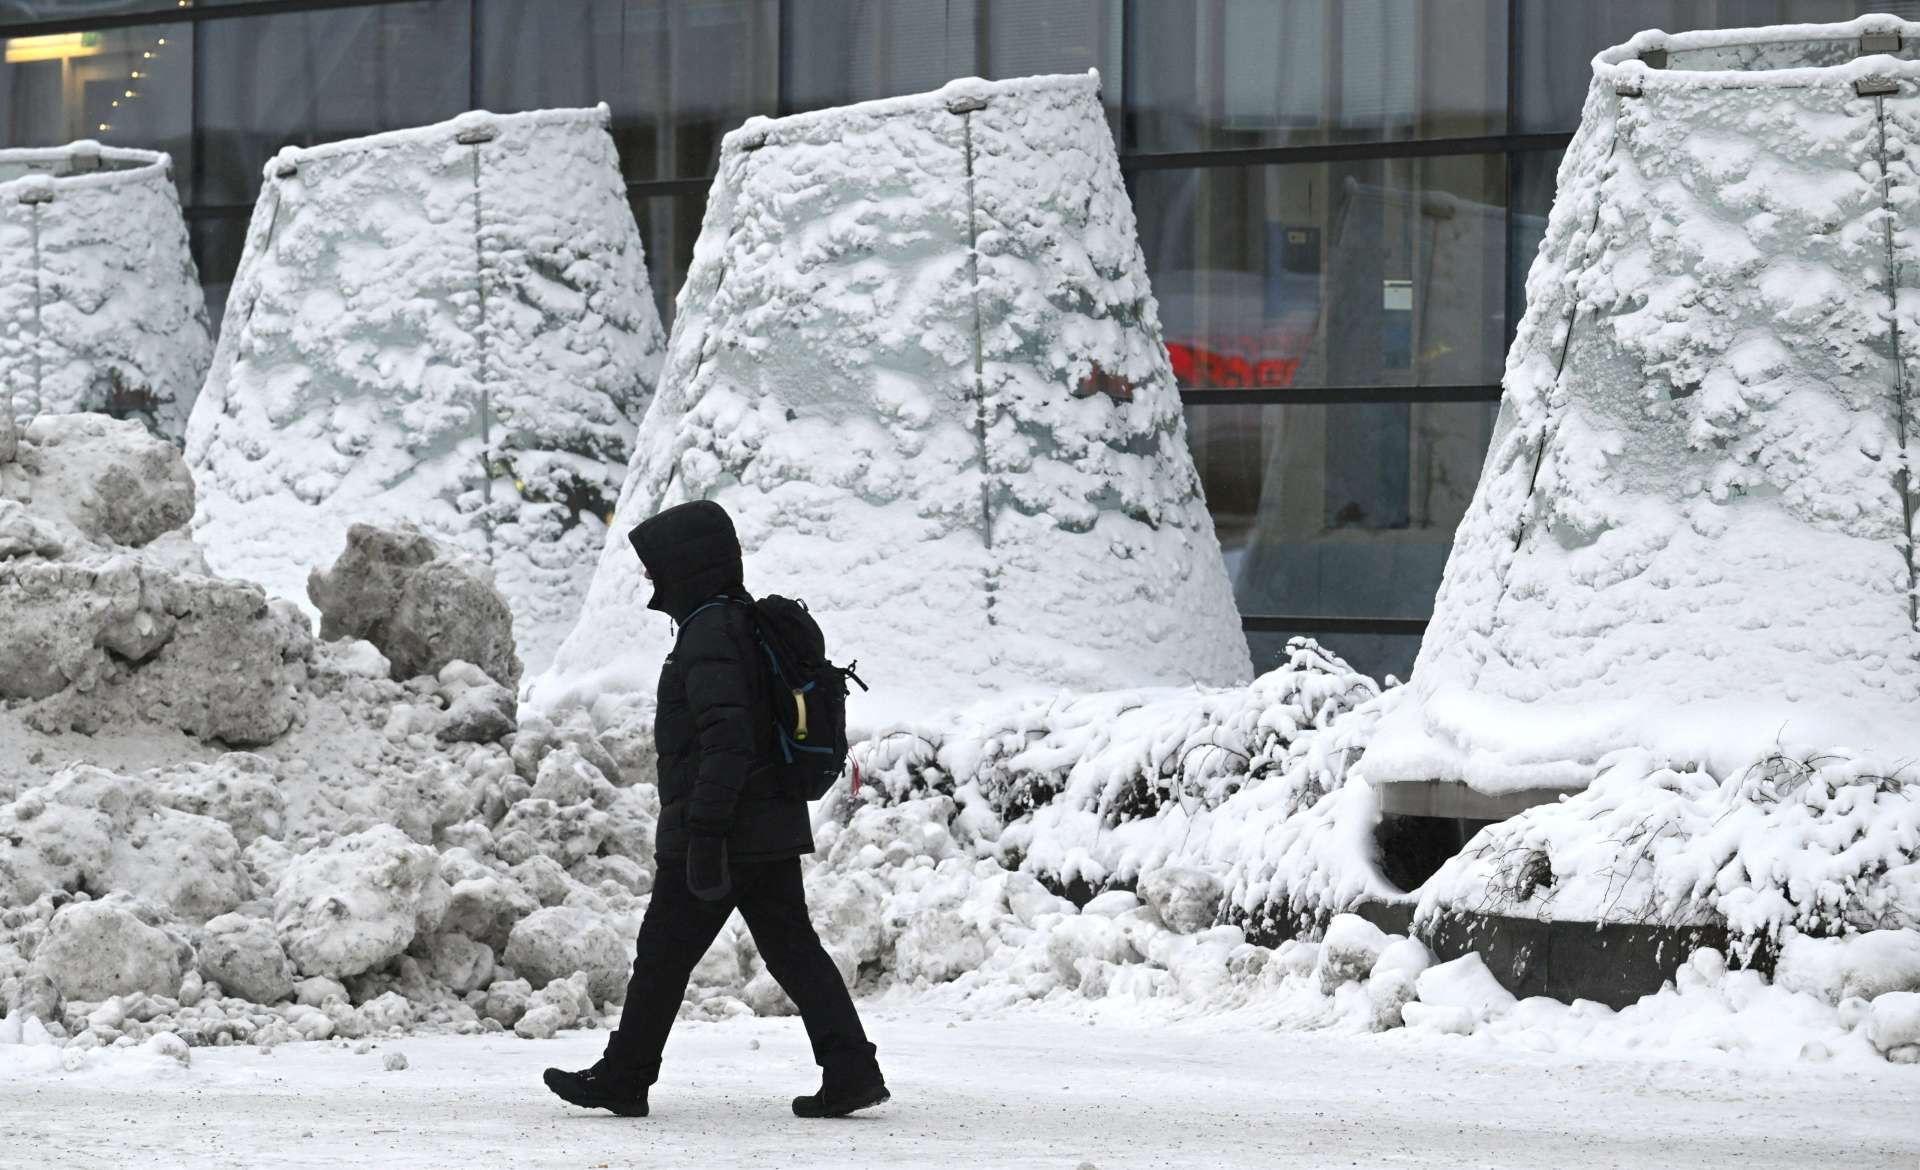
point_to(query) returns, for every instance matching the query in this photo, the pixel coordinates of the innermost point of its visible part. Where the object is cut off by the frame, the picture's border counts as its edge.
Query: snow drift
(1693, 532)
(109, 620)
(373, 861)
(420, 331)
(918, 360)
(98, 289)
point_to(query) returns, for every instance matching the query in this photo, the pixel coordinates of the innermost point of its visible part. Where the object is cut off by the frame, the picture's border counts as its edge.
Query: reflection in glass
(217, 237)
(1221, 74)
(839, 51)
(123, 87)
(1557, 41)
(1382, 272)
(1535, 174)
(303, 78)
(669, 225)
(1343, 510)
(678, 74)
(25, 11)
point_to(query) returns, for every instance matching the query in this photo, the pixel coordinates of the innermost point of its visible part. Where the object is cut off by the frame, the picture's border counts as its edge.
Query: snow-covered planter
(99, 295)
(1821, 846)
(1692, 533)
(918, 360)
(421, 329)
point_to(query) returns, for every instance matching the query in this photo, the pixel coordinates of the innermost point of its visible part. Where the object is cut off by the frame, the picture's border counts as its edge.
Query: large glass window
(1535, 174)
(218, 235)
(1384, 272)
(669, 226)
(1558, 41)
(678, 74)
(1318, 237)
(839, 51)
(29, 11)
(124, 87)
(302, 78)
(1225, 74)
(1339, 510)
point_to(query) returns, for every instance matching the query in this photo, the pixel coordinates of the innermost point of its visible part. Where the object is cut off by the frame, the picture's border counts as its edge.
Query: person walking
(727, 838)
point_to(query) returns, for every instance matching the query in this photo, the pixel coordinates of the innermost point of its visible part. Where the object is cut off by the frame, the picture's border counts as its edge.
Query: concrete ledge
(1612, 963)
(1452, 800)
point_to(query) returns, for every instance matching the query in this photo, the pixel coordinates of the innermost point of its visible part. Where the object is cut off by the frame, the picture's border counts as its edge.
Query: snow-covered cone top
(1692, 534)
(100, 304)
(970, 461)
(448, 325)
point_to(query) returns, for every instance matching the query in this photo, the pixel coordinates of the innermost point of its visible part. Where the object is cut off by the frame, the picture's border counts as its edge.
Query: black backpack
(809, 696)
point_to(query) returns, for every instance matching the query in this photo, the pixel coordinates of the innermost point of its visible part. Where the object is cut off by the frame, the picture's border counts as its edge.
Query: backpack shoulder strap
(697, 611)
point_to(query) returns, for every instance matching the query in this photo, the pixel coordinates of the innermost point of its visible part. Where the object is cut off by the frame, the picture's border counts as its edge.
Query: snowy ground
(1027, 1089)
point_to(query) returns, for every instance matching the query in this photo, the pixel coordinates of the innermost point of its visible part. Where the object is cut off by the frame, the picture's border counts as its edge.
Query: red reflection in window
(1202, 369)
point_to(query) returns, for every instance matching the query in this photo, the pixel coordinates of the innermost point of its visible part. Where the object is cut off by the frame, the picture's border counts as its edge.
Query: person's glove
(707, 874)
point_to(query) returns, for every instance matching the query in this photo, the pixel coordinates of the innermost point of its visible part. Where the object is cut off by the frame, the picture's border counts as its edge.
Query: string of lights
(131, 93)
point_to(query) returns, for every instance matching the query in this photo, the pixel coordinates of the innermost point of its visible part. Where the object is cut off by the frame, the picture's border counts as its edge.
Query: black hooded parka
(714, 722)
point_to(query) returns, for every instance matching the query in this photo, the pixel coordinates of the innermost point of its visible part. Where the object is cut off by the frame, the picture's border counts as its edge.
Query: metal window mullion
(238, 10)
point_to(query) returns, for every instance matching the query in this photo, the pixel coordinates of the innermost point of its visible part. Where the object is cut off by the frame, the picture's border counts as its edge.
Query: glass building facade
(1338, 199)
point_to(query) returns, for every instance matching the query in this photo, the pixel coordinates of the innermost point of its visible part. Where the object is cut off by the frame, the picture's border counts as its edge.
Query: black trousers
(677, 931)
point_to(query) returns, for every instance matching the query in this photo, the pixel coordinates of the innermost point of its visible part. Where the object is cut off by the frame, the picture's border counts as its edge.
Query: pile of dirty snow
(395, 847)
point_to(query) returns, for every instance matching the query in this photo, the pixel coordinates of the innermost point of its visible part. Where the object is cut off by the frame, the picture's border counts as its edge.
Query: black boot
(840, 1100)
(601, 1087)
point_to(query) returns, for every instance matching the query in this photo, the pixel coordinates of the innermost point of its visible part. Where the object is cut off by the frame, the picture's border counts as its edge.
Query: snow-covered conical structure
(1693, 534)
(449, 326)
(100, 303)
(918, 360)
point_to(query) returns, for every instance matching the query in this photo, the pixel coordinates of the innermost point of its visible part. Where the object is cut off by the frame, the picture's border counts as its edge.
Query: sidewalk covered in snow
(1032, 1089)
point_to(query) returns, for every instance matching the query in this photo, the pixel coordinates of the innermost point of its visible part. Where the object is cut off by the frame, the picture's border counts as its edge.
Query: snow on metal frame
(1692, 535)
(449, 325)
(98, 289)
(918, 359)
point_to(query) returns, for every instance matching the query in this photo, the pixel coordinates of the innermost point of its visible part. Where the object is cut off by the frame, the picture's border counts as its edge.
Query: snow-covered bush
(421, 331)
(99, 290)
(1821, 844)
(1097, 791)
